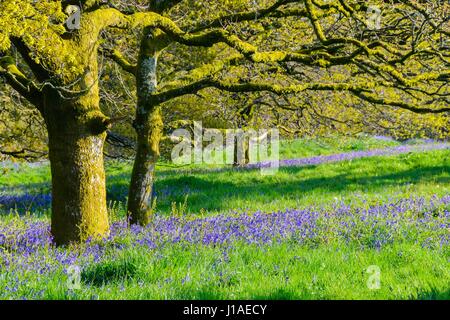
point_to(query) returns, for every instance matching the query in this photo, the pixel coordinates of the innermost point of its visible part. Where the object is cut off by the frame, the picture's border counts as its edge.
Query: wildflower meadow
(269, 239)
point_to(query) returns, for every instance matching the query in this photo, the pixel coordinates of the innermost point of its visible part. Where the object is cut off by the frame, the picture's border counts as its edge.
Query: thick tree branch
(358, 90)
(400, 104)
(38, 70)
(204, 71)
(192, 88)
(26, 154)
(19, 82)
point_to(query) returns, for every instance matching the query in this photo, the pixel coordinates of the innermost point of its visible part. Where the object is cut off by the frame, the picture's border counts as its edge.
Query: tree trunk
(149, 127)
(78, 178)
(149, 132)
(241, 153)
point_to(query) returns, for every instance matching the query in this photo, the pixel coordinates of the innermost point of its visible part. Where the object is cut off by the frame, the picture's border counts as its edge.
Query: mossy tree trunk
(68, 99)
(149, 128)
(76, 131)
(149, 131)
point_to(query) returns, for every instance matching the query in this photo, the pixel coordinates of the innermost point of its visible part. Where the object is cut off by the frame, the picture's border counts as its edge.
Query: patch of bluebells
(32, 202)
(25, 202)
(316, 160)
(26, 245)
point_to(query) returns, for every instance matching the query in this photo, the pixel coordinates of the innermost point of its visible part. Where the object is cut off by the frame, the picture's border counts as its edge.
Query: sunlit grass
(278, 270)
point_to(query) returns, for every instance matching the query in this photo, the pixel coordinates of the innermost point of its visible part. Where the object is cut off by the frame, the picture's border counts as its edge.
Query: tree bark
(78, 178)
(241, 155)
(149, 128)
(149, 132)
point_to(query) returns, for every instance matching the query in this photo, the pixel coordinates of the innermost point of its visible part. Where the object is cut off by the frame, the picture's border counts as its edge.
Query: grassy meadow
(375, 227)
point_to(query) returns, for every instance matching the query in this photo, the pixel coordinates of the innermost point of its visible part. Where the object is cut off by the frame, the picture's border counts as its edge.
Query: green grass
(375, 179)
(31, 176)
(302, 148)
(283, 270)
(279, 271)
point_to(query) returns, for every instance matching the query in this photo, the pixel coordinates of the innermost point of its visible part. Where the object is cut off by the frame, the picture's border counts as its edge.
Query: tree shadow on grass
(23, 198)
(208, 191)
(215, 194)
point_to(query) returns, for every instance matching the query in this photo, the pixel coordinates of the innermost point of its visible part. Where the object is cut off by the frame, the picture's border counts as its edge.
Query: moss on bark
(149, 132)
(76, 141)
